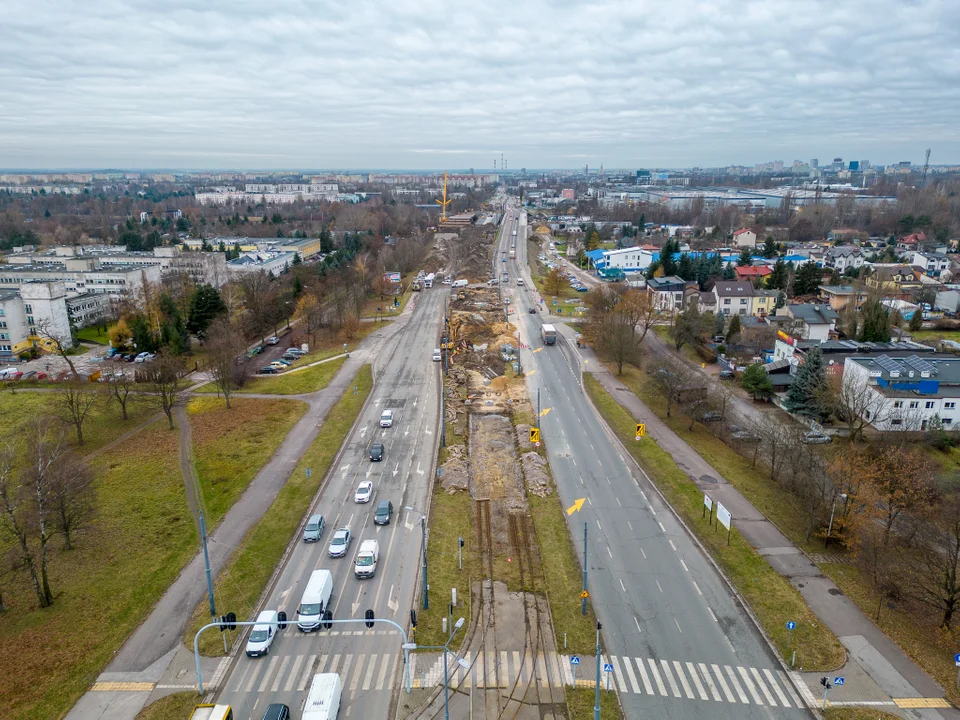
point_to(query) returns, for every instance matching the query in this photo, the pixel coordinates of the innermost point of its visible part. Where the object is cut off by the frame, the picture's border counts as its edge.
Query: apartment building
(34, 315)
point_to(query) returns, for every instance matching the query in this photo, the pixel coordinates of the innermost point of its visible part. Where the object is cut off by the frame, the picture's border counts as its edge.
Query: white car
(340, 542)
(437, 355)
(273, 340)
(364, 492)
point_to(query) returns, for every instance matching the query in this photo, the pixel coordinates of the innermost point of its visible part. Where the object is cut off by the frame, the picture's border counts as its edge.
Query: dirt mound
(535, 473)
(455, 472)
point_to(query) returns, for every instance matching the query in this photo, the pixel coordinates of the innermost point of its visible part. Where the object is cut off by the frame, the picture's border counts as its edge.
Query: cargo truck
(548, 333)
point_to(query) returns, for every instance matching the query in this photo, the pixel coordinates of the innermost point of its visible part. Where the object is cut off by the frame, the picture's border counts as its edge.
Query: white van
(323, 700)
(519, 281)
(263, 633)
(315, 600)
(460, 283)
(386, 419)
(365, 566)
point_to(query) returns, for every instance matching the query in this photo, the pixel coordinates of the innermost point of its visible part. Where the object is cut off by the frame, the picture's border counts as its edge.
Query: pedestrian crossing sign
(534, 435)
(641, 430)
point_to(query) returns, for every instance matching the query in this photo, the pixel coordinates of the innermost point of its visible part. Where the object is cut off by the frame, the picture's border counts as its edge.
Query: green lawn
(103, 425)
(177, 706)
(141, 538)
(239, 586)
(772, 598)
(93, 334)
(230, 446)
(308, 380)
(581, 701)
(935, 335)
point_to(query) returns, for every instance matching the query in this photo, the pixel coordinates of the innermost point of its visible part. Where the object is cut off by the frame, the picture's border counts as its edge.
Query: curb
(706, 553)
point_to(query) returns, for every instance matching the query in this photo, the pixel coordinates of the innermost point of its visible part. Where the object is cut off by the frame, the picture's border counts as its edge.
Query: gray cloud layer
(430, 84)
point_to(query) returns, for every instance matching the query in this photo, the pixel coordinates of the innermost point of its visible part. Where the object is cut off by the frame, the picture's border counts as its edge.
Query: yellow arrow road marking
(538, 349)
(544, 412)
(576, 506)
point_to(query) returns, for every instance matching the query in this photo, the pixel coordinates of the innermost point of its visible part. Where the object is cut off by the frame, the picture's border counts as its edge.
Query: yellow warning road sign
(584, 594)
(534, 435)
(641, 429)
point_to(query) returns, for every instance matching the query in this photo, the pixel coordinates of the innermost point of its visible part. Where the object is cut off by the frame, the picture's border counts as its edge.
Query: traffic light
(413, 618)
(223, 623)
(369, 618)
(282, 620)
(461, 542)
(534, 435)
(327, 618)
(825, 682)
(231, 620)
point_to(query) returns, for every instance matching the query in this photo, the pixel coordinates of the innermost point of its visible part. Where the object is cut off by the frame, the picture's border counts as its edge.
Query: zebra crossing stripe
(723, 684)
(736, 685)
(656, 676)
(670, 679)
(371, 668)
(383, 671)
(776, 687)
(643, 675)
(266, 675)
(763, 686)
(355, 680)
(293, 674)
(705, 671)
(308, 669)
(280, 675)
(253, 678)
(633, 678)
(789, 686)
(750, 686)
(618, 675)
(683, 680)
(696, 681)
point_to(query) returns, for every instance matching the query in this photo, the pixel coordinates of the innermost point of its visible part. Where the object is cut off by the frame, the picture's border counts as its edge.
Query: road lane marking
(696, 681)
(658, 584)
(643, 676)
(656, 676)
(630, 525)
(763, 687)
(644, 494)
(609, 552)
(253, 678)
(677, 624)
(637, 622)
(622, 586)
(371, 667)
(710, 610)
(589, 500)
(243, 676)
(619, 503)
(283, 667)
(643, 553)
(736, 685)
(628, 666)
(697, 587)
(672, 545)
(383, 672)
(661, 526)
(598, 526)
(307, 671)
(709, 681)
(749, 683)
(723, 684)
(684, 565)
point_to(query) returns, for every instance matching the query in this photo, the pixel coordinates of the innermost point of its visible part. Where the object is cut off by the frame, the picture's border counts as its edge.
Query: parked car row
(12, 373)
(290, 356)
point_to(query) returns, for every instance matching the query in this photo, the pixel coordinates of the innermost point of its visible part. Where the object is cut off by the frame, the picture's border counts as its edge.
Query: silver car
(340, 543)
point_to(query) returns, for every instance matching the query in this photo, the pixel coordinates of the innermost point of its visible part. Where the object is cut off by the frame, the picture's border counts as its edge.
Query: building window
(914, 404)
(743, 301)
(928, 404)
(949, 405)
(726, 301)
(898, 404)
(28, 308)
(4, 336)
(947, 421)
(896, 422)
(30, 320)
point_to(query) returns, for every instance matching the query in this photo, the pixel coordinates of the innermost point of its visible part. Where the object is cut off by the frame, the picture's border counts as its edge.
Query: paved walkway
(148, 651)
(868, 648)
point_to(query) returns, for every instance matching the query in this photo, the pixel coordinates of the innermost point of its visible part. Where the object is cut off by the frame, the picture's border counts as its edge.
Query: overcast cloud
(429, 84)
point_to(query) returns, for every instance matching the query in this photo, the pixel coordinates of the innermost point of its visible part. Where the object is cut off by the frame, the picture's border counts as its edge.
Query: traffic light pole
(407, 646)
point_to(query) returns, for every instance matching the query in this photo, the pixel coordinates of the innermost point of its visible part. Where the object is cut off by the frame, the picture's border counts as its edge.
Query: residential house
(840, 296)
(708, 302)
(756, 273)
(764, 302)
(843, 258)
(894, 279)
(734, 297)
(907, 393)
(932, 263)
(745, 238)
(911, 242)
(811, 321)
(948, 299)
(667, 293)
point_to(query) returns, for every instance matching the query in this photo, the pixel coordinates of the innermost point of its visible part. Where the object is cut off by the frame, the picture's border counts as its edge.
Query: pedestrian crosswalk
(359, 672)
(685, 680)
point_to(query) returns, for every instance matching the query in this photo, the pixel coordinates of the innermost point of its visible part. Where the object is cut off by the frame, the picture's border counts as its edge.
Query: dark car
(131, 357)
(276, 711)
(376, 452)
(532, 311)
(582, 288)
(712, 416)
(383, 513)
(269, 370)
(726, 374)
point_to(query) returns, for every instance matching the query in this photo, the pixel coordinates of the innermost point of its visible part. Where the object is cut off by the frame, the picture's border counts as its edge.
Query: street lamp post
(460, 661)
(423, 539)
(833, 507)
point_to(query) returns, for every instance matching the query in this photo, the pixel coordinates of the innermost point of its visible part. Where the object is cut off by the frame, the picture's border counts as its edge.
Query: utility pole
(206, 562)
(583, 595)
(538, 408)
(596, 706)
(423, 536)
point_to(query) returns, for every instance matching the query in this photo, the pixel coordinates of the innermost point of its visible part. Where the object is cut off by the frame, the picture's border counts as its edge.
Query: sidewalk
(149, 650)
(869, 650)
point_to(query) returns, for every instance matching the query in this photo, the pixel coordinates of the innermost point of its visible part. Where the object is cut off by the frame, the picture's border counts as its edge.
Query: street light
(460, 661)
(423, 536)
(841, 496)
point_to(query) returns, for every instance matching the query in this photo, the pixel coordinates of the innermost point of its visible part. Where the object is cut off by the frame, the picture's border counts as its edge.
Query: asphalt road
(370, 662)
(658, 598)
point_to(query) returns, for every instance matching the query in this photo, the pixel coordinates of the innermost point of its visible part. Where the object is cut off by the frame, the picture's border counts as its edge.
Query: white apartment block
(82, 276)
(36, 314)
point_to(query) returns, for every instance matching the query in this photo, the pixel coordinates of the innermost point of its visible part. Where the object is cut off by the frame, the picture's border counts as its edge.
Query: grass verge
(141, 538)
(239, 586)
(855, 713)
(303, 381)
(230, 446)
(580, 703)
(171, 707)
(773, 600)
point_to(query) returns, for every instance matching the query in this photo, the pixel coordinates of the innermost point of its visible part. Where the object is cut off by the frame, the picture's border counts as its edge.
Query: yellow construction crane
(443, 203)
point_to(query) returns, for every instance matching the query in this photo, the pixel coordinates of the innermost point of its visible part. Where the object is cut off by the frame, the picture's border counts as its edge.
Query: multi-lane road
(663, 606)
(370, 662)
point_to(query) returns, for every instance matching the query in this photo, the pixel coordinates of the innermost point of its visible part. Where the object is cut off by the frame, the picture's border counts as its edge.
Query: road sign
(537, 444)
(584, 595)
(608, 667)
(574, 660)
(534, 435)
(791, 625)
(956, 659)
(838, 681)
(641, 430)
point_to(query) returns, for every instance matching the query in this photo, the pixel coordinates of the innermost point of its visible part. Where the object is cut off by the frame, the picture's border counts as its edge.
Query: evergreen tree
(326, 241)
(769, 248)
(236, 250)
(221, 247)
(916, 321)
(808, 278)
(729, 273)
(205, 306)
(779, 276)
(735, 327)
(685, 267)
(756, 382)
(746, 258)
(296, 259)
(297, 286)
(805, 396)
(669, 265)
(781, 301)
(875, 319)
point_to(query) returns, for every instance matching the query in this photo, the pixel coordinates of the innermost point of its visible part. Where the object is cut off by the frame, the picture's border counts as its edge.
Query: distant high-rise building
(854, 166)
(471, 171)
(814, 163)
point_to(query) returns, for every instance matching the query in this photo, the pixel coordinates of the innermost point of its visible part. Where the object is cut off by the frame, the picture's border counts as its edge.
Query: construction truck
(548, 333)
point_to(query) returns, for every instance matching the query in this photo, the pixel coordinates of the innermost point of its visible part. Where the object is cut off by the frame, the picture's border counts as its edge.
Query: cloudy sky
(428, 84)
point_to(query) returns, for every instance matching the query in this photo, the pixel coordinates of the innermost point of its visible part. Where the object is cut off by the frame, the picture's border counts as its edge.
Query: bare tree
(71, 495)
(76, 400)
(677, 382)
(259, 300)
(165, 383)
(620, 318)
(120, 387)
(852, 400)
(225, 345)
(309, 313)
(57, 343)
(16, 517)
